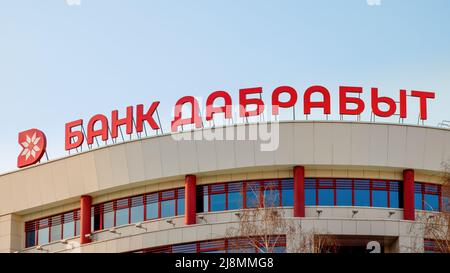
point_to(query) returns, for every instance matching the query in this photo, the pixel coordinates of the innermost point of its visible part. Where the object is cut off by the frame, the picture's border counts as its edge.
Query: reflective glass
(218, 202)
(362, 197)
(234, 200)
(167, 208)
(180, 206)
(418, 201)
(310, 197)
(379, 199)
(43, 236)
(287, 195)
(69, 226)
(55, 233)
(326, 197)
(31, 238)
(122, 217)
(431, 202)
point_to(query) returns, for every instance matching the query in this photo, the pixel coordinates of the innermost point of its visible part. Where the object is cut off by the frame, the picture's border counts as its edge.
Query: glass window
(55, 233)
(379, 198)
(394, 195)
(43, 232)
(446, 204)
(394, 199)
(55, 229)
(431, 202)
(418, 201)
(77, 228)
(180, 206)
(252, 195)
(310, 197)
(152, 206)
(167, 208)
(235, 196)
(310, 192)
(68, 226)
(362, 193)
(218, 202)
(206, 202)
(108, 215)
(137, 209)
(326, 197)
(122, 212)
(287, 195)
(271, 194)
(343, 197)
(234, 200)
(31, 238)
(343, 192)
(326, 193)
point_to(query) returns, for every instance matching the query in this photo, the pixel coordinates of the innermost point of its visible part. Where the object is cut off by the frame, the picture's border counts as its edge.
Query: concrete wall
(377, 147)
(333, 221)
(327, 149)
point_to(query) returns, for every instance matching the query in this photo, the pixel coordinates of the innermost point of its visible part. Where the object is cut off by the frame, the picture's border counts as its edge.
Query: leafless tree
(436, 225)
(264, 227)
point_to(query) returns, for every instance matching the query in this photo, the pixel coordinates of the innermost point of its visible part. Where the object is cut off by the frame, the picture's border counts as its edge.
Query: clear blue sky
(59, 63)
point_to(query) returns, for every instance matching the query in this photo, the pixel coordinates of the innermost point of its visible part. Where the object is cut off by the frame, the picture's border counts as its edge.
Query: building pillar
(408, 195)
(190, 190)
(85, 218)
(299, 191)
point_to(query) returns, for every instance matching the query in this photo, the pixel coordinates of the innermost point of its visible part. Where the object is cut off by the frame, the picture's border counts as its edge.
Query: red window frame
(385, 187)
(424, 190)
(35, 226)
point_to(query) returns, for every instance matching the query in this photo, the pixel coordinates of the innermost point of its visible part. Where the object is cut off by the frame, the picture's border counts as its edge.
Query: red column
(408, 195)
(85, 218)
(299, 191)
(190, 199)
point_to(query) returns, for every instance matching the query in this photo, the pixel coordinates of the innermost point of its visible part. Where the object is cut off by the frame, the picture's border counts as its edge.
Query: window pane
(310, 197)
(418, 201)
(68, 226)
(344, 197)
(279, 249)
(122, 217)
(77, 228)
(137, 214)
(394, 199)
(379, 199)
(218, 202)
(108, 215)
(446, 204)
(137, 209)
(271, 197)
(362, 192)
(206, 202)
(287, 195)
(31, 238)
(180, 206)
(431, 202)
(69, 230)
(55, 233)
(326, 197)
(252, 195)
(344, 192)
(234, 200)
(43, 235)
(362, 198)
(167, 208)
(152, 206)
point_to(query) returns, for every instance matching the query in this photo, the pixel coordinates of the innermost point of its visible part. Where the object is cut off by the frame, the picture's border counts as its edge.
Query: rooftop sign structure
(136, 119)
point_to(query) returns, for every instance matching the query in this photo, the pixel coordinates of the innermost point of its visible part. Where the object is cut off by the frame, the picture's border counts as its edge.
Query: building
(358, 181)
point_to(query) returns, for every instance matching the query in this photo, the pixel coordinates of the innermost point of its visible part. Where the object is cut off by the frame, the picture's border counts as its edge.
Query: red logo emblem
(34, 143)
